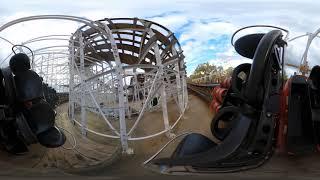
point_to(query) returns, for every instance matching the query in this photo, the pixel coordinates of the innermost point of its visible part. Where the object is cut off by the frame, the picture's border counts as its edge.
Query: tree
(229, 71)
(213, 73)
(220, 69)
(203, 70)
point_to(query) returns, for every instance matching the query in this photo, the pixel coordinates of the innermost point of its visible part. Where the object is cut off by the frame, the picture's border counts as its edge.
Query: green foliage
(229, 71)
(207, 69)
(203, 70)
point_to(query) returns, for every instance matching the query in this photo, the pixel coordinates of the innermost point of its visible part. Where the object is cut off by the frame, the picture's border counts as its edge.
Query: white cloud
(195, 21)
(229, 62)
(230, 53)
(173, 23)
(205, 31)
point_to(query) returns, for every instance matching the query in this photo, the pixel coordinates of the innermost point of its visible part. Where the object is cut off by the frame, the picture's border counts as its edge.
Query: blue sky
(203, 27)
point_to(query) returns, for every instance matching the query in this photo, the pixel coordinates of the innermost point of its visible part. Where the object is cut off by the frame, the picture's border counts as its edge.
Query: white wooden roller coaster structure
(117, 68)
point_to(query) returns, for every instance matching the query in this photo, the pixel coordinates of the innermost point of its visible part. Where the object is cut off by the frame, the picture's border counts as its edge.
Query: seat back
(28, 86)
(314, 84)
(300, 137)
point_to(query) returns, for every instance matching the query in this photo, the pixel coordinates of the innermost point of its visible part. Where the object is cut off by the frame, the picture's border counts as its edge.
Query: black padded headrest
(52, 138)
(246, 45)
(19, 62)
(28, 85)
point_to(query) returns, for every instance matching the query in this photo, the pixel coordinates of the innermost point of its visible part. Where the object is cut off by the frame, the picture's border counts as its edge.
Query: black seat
(41, 119)
(19, 62)
(192, 144)
(208, 157)
(300, 127)
(247, 142)
(52, 138)
(314, 84)
(28, 85)
(35, 120)
(9, 86)
(315, 77)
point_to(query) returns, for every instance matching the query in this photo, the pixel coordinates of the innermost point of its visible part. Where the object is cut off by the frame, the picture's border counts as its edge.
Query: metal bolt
(269, 115)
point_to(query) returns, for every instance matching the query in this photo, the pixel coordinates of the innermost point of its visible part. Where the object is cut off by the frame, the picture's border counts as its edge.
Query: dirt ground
(63, 160)
(197, 118)
(90, 156)
(102, 158)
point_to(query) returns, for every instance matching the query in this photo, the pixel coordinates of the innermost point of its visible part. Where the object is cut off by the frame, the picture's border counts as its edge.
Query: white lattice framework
(116, 68)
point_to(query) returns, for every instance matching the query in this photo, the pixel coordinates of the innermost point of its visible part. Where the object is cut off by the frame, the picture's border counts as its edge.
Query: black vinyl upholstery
(40, 116)
(34, 117)
(28, 85)
(237, 83)
(261, 63)
(192, 144)
(247, 140)
(314, 82)
(300, 137)
(247, 45)
(19, 62)
(52, 138)
(315, 77)
(9, 86)
(217, 152)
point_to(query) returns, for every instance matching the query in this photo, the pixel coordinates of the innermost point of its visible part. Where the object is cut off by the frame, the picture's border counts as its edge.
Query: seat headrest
(246, 45)
(19, 62)
(28, 85)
